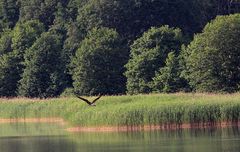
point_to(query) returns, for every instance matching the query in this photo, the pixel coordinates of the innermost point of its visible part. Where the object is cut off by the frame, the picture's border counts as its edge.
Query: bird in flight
(93, 103)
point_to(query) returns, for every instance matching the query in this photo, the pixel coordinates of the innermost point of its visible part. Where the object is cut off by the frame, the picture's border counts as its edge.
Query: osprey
(88, 102)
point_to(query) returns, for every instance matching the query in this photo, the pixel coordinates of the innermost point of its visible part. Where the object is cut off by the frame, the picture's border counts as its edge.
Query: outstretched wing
(88, 102)
(96, 99)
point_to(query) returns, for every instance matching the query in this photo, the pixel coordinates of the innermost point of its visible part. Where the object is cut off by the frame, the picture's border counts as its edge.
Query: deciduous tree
(148, 55)
(43, 75)
(168, 78)
(16, 43)
(98, 65)
(213, 62)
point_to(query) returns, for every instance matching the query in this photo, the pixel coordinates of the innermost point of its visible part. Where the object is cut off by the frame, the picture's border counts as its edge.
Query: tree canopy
(98, 65)
(131, 18)
(13, 49)
(43, 75)
(148, 55)
(214, 55)
(168, 79)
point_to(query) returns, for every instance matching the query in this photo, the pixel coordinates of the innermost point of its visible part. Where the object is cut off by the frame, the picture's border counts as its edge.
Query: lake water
(50, 137)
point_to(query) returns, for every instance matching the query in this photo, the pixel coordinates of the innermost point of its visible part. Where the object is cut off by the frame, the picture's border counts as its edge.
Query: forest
(51, 48)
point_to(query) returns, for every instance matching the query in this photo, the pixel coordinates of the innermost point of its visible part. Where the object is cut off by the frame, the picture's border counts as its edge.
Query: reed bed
(139, 110)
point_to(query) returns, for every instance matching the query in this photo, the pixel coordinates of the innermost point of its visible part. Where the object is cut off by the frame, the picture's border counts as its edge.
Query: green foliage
(60, 14)
(13, 48)
(131, 18)
(8, 69)
(43, 10)
(68, 92)
(167, 79)
(43, 75)
(6, 41)
(148, 55)
(98, 65)
(73, 7)
(107, 13)
(8, 74)
(70, 46)
(25, 34)
(213, 63)
(9, 13)
(72, 41)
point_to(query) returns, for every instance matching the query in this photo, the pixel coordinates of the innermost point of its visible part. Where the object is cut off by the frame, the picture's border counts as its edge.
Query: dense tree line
(118, 46)
(148, 55)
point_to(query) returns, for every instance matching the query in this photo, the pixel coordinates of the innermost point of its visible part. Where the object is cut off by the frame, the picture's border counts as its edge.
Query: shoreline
(153, 127)
(32, 120)
(121, 128)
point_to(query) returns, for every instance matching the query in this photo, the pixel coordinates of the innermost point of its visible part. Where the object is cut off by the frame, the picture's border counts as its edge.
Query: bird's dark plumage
(88, 102)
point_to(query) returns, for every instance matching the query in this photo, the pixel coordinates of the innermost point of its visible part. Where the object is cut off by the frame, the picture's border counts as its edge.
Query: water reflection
(53, 138)
(34, 137)
(197, 140)
(36, 144)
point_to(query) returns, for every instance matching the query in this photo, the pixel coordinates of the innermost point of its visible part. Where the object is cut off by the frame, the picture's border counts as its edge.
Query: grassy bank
(159, 109)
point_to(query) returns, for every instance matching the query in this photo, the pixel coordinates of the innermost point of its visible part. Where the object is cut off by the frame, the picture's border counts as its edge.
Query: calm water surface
(45, 137)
